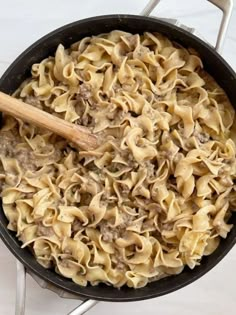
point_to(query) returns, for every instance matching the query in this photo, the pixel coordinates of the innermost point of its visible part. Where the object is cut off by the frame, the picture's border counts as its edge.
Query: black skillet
(213, 63)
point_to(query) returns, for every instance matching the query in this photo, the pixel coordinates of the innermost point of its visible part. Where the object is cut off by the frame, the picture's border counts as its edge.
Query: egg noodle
(157, 193)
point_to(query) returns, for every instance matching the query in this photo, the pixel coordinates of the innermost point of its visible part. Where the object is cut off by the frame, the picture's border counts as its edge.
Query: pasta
(157, 193)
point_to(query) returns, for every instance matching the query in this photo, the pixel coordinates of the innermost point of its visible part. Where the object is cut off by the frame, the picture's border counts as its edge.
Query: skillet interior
(20, 70)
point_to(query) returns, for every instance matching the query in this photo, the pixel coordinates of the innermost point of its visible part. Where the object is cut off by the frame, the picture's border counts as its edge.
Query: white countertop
(24, 21)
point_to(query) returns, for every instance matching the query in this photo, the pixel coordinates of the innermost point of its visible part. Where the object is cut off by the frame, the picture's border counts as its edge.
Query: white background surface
(24, 21)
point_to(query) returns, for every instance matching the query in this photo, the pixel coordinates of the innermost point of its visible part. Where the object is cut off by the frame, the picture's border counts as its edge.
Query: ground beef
(85, 91)
(26, 159)
(33, 101)
(155, 207)
(150, 169)
(148, 225)
(133, 41)
(8, 148)
(119, 262)
(127, 220)
(141, 52)
(124, 190)
(108, 234)
(44, 230)
(203, 137)
(76, 226)
(8, 143)
(88, 121)
(167, 226)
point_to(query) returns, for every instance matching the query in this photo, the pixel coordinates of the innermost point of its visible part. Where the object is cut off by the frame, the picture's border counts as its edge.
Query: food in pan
(155, 196)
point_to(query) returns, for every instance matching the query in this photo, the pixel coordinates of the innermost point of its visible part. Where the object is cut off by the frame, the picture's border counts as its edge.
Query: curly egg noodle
(157, 193)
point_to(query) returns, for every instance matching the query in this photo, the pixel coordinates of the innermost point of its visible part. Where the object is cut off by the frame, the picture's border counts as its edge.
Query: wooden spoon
(78, 134)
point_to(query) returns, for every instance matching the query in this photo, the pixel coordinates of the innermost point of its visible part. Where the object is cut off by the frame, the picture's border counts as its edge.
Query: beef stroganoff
(157, 193)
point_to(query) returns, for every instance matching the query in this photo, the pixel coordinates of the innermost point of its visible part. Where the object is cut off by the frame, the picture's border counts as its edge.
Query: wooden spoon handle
(77, 134)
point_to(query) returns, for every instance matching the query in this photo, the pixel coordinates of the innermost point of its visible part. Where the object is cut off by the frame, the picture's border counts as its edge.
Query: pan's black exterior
(20, 70)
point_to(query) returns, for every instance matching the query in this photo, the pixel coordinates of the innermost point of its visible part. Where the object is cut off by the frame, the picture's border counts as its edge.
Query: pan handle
(20, 294)
(83, 307)
(20, 288)
(226, 6)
